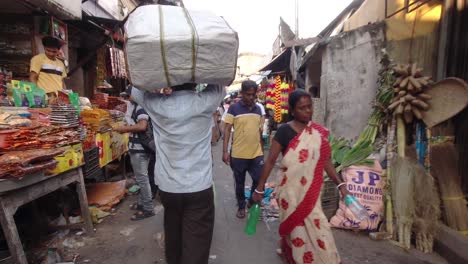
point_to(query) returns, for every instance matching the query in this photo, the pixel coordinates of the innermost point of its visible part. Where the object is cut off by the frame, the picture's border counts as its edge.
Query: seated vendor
(47, 70)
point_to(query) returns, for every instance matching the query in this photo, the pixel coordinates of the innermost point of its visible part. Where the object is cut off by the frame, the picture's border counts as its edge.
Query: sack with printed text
(366, 184)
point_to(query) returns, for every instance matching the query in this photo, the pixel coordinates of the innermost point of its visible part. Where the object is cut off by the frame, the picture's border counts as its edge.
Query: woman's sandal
(240, 213)
(136, 206)
(139, 215)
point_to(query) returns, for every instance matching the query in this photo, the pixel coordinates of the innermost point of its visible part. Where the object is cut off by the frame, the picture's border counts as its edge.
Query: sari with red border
(305, 232)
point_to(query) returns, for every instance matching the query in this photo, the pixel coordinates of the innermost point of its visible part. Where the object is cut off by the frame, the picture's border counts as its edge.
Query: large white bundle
(170, 45)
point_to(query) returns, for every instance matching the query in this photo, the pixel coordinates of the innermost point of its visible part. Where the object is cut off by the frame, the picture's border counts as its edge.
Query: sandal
(136, 206)
(240, 213)
(142, 215)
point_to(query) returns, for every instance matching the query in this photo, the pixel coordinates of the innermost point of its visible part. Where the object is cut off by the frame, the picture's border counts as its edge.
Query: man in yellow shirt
(47, 70)
(246, 151)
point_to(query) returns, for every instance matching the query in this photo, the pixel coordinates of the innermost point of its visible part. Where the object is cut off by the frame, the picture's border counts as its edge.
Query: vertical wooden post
(80, 189)
(11, 233)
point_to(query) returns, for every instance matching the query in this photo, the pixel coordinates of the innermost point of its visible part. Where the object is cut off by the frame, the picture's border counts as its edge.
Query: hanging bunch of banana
(409, 99)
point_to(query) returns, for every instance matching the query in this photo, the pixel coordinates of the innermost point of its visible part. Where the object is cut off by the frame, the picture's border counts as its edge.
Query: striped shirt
(140, 114)
(50, 73)
(247, 124)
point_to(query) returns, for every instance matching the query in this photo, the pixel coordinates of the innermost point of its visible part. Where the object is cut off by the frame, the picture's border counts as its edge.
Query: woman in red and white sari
(306, 236)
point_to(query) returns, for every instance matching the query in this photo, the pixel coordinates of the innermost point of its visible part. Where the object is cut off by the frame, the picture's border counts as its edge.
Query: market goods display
(449, 97)
(97, 119)
(427, 210)
(410, 99)
(41, 137)
(17, 164)
(343, 155)
(270, 96)
(117, 116)
(101, 100)
(278, 115)
(116, 63)
(115, 102)
(365, 183)
(444, 166)
(170, 45)
(10, 120)
(64, 115)
(403, 174)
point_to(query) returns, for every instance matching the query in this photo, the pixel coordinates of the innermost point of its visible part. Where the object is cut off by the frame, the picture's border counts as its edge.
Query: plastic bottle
(356, 208)
(251, 226)
(51, 257)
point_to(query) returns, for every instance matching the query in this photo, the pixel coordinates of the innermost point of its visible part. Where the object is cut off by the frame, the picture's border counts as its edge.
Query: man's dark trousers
(240, 167)
(188, 226)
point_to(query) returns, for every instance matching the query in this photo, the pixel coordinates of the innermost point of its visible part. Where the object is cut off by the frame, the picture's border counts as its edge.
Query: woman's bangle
(259, 192)
(341, 184)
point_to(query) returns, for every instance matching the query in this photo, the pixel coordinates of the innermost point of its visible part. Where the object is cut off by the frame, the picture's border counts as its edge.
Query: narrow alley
(203, 131)
(119, 240)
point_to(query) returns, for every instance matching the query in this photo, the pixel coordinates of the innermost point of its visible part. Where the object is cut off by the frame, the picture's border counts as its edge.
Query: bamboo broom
(402, 196)
(444, 165)
(427, 210)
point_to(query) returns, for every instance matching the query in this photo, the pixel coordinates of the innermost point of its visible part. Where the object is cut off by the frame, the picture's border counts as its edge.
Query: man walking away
(137, 123)
(182, 125)
(246, 151)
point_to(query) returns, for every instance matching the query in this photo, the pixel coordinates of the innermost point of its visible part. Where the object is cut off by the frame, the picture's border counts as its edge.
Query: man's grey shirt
(182, 129)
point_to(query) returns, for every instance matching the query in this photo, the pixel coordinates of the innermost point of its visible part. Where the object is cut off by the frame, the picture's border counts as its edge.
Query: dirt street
(119, 240)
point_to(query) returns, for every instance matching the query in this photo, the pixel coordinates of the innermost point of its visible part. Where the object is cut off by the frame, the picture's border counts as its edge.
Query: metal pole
(297, 19)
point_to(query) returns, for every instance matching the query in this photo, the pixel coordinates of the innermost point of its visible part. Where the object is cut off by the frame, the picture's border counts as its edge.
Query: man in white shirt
(182, 127)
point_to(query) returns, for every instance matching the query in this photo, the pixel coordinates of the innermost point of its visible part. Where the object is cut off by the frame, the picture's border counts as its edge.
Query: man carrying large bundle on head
(199, 48)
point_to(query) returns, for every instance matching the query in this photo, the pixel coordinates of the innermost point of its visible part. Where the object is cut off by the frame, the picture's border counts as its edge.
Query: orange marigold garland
(278, 100)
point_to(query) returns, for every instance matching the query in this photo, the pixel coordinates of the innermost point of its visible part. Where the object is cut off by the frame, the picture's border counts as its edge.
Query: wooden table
(35, 188)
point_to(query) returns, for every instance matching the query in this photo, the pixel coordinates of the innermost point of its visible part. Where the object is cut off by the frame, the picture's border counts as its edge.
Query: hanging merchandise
(101, 66)
(270, 96)
(115, 63)
(123, 67)
(28, 94)
(410, 100)
(278, 100)
(111, 69)
(284, 98)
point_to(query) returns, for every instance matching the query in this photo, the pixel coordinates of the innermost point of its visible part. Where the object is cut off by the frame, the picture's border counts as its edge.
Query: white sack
(215, 47)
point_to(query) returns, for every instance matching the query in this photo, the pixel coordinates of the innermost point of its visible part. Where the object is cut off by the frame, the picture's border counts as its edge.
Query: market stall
(17, 193)
(411, 133)
(48, 146)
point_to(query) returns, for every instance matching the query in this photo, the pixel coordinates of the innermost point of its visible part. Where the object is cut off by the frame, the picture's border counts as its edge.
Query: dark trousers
(151, 164)
(240, 167)
(188, 226)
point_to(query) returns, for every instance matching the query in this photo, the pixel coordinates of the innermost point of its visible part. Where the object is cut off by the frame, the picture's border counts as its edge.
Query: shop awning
(63, 9)
(258, 77)
(279, 63)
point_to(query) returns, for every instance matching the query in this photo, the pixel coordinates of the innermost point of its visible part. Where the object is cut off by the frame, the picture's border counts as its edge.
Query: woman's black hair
(294, 97)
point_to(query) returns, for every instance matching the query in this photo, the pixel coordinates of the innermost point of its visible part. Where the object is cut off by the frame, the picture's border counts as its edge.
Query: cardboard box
(71, 158)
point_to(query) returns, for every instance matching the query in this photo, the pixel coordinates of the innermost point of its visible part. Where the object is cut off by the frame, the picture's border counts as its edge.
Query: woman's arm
(331, 172)
(275, 150)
